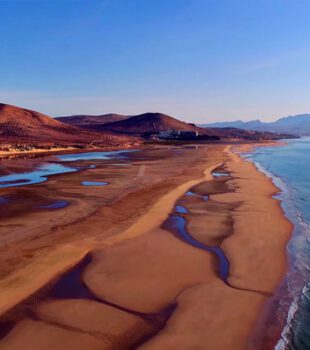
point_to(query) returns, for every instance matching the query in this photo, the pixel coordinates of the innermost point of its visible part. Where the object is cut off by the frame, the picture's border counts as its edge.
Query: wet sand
(222, 316)
(143, 286)
(51, 150)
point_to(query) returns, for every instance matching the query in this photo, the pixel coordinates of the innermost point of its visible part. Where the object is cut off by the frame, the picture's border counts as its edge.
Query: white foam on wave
(298, 249)
(284, 342)
(288, 332)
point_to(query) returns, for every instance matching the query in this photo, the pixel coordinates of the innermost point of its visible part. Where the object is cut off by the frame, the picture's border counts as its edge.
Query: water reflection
(93, 155)
(94, 183)
(35, 176)
(219, 174)
(55, 205)
(178, 224)
(43, 170)
(193, 194)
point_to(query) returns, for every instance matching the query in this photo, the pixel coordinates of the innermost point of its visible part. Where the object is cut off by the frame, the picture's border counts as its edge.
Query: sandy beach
(16, 152)
(183, 250)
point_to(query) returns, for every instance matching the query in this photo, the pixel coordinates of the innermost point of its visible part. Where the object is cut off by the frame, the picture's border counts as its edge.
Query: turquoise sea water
(289, 167)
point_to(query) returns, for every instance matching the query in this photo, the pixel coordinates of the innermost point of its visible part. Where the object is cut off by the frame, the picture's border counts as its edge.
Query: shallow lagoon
(55, 205)
(41, 173)
(93, 155)
(35, 176)
(94, 183)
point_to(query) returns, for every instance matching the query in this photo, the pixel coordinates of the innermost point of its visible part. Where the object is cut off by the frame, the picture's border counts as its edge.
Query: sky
(197, 60)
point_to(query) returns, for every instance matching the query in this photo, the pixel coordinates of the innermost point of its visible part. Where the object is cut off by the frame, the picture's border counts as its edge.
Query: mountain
(20, 125)
(148, 123)
(27, 129)
(152, 123)
(298, 125)
(251, 125)
(241, 134)
(20, 122)
(91, 121)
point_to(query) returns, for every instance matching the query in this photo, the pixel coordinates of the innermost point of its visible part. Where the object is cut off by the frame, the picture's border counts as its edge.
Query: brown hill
(148, 123)
(15, 121)
(151, 123)
(19, 125)
(91, 121)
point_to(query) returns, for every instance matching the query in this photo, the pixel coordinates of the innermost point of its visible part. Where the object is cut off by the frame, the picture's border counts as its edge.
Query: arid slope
(23, 126)
(91, 122)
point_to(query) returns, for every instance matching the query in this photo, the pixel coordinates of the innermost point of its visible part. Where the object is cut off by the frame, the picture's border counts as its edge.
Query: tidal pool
(178, 224)
(219, 174)
(94, 183)
(93, 155)
(55, 205)
(41, 173)
(193, 194)
(35, 176)
(180, 209)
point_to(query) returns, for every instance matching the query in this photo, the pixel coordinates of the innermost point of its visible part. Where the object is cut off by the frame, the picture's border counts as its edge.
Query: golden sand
(140, 268)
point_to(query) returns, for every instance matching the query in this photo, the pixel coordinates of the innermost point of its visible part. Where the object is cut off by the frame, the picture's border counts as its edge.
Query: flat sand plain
(107, 272)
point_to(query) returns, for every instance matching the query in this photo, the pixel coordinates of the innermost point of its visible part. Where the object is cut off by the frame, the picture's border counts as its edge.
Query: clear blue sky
(199, 60)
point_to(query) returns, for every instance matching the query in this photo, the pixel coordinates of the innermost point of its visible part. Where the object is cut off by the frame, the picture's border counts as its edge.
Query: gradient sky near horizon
(198, 60)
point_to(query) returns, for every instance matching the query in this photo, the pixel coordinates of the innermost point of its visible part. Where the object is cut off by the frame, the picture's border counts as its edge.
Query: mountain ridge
(298, 125)
(88, 121)
(28, 128)
(21, 125)
(151, 123)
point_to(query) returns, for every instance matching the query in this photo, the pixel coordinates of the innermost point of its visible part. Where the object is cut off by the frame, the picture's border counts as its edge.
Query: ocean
(289, 167)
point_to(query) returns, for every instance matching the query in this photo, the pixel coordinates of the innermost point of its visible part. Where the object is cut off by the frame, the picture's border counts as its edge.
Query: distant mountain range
(135, 124)
(147, 124)
(298, 125)
(26, 129)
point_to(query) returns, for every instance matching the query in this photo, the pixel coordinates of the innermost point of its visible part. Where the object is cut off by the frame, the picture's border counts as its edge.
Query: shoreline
(265, 338)
(253, 282)
(141, 145)
(285, 303)
(249, 280)
(62, 150)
